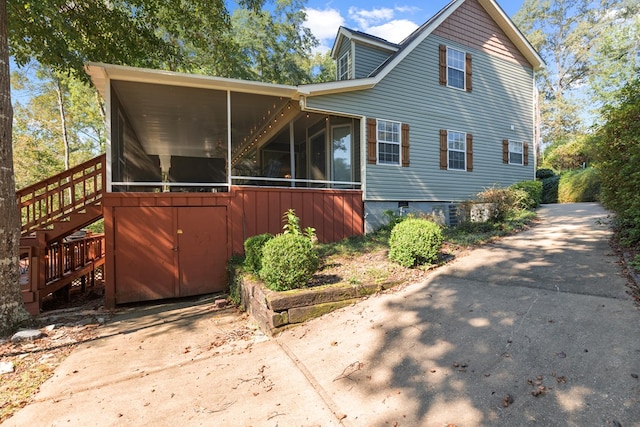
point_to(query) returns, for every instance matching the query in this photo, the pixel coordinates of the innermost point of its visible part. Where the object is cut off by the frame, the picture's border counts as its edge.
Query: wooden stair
(51, 210)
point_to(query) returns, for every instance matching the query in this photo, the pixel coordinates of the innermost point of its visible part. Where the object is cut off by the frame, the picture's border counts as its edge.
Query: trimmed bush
(550, 189)
(288, 262)
(415, 241)
(582, 185)
(253, 251)
(545, 173)
(533, 190)
(503, 200)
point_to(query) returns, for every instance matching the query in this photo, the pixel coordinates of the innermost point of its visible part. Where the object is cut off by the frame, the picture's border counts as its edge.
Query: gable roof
(417, 37)
(345, 33)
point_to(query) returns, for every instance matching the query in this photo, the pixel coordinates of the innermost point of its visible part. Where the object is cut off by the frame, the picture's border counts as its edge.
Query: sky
(391, 21)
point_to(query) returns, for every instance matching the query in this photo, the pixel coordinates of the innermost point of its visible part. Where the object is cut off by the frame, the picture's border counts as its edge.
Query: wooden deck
(51, 211)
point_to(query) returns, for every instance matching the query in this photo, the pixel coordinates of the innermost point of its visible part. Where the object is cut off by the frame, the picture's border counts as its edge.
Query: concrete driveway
(536, 329)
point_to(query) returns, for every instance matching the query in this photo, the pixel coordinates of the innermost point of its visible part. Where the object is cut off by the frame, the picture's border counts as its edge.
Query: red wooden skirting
(335, 214)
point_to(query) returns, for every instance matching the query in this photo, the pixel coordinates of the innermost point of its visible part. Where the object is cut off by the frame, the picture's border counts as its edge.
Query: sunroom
(182, 133)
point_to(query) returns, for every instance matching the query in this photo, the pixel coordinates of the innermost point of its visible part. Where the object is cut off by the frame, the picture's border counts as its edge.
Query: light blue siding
(367, 59)
(502, 96)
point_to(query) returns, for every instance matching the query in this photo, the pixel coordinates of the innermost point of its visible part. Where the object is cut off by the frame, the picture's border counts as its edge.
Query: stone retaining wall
(275, 311)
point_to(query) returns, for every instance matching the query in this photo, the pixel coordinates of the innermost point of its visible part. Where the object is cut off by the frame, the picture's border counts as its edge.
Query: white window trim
(449, 150)
(399, 143)
(464, 69)
(515, 152)
(347, 72)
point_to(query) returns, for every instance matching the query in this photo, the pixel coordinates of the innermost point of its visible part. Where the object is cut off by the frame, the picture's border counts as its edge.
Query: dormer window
(344, 67)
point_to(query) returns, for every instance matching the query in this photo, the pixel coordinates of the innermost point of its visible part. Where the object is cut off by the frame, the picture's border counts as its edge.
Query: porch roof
(100, 73)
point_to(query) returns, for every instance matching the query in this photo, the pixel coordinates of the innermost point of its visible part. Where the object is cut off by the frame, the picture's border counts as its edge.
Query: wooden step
(75, 222)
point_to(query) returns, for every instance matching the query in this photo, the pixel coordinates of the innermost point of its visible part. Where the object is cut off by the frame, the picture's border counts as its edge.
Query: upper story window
(455, 68)
(344, 67)
(457, 148)
(388, 142)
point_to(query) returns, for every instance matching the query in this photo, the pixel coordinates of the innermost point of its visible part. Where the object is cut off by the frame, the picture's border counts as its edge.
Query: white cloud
(324, 24)
(366, 18)
(394, 31)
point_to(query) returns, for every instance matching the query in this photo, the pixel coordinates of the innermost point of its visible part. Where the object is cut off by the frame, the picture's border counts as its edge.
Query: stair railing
(61, 195)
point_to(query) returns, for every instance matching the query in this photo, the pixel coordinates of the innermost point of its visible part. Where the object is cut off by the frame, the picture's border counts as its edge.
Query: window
(344, 67)
(455, 68)
(515, 153)
(457, 150)
(388, 142)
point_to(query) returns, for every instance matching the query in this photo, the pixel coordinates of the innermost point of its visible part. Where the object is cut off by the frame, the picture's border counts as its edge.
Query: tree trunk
(12, 310)
(63, 122)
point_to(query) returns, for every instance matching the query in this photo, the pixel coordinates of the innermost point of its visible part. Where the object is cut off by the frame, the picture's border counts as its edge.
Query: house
(197, 164)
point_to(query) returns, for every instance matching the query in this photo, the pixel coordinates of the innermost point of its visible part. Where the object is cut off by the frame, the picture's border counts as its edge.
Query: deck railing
(67, 257)
(57, 197)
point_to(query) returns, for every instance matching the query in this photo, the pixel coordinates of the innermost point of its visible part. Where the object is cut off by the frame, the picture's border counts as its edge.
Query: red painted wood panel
(144, 255)
(202, 250)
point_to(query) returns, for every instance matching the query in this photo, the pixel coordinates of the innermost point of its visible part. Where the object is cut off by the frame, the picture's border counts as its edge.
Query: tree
(12, 310)
(262, 45)
(567, 33)
(61, 115)
(63, 35)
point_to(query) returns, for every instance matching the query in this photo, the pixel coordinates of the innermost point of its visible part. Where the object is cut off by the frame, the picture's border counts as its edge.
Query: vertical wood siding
(129, 220)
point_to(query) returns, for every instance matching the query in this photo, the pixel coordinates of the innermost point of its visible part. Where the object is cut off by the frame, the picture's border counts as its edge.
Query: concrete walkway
(536, 329)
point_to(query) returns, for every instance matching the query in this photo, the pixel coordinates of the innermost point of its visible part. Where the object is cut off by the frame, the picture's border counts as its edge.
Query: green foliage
(569, 155)
(550, 189)
(288, 262)
(292, 226)
(582, 185)
(504, 200)
(253, 251)
(392, 219)
(533, 194)
(618, 160)
(544, 173)
(415, 241)
(234, 272)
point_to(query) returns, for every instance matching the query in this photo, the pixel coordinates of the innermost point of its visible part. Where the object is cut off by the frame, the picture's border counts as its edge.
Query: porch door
(202, 250)
(341, 150)
(318, 157)
(144, 254)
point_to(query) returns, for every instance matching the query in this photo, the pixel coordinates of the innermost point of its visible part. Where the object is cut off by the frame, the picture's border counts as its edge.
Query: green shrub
(503, 200)
(533, 190)
(415, 241)
(253, 251)
(550, 189)
(582, 185)
(545, 173)
(288, 262)
(618, 159)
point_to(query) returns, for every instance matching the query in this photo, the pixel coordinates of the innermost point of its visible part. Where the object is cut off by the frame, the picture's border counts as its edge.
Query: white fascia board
(337, 87)
(419, 39)
(101, 72)
(342, 33)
